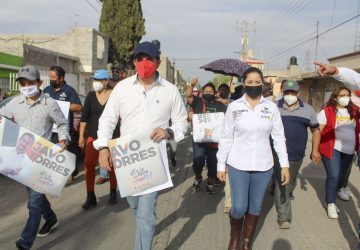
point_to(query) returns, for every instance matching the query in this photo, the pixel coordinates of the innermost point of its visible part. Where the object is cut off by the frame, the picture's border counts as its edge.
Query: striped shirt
(37, 117)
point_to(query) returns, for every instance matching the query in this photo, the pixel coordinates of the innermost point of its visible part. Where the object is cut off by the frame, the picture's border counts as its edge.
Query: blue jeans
(145, 215)
(202, 151)
(336, 170)
(247, 191)
(38, 205)
(104, 173)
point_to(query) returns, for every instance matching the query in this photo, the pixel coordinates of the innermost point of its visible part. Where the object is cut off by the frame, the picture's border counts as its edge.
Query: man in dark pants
(60, 90)
(32, 105)
(296, 116)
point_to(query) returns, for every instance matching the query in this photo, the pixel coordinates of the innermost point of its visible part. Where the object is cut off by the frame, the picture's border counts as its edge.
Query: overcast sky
(195, 32)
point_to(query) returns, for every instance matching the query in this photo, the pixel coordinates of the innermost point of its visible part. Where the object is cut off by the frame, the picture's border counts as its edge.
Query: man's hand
(285, 176)
(221, 175)
(325, 69)
(159, 134)
(105, 160)
(315, 156)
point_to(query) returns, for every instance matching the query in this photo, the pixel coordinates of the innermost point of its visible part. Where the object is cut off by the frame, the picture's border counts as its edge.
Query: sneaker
(331, 211)
(101, 180)
(284, 225)
(343, 194)
(196, 184)
(210, 189)
(348, 192)
(48, 227)
(337, 209)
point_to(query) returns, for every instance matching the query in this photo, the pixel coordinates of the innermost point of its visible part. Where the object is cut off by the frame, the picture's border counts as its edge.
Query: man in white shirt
(143, 101)
(14, 162)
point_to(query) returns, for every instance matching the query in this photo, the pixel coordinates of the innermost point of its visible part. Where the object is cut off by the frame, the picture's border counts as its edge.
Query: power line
(314, 37)
(66, 12)
(185, 35)
(93, 6)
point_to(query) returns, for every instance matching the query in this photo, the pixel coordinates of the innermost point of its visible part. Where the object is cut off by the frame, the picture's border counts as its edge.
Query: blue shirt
(67, 94)
(296, 122)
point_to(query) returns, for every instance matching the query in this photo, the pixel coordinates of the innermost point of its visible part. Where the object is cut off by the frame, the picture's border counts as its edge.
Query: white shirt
(142, 110)
(344, 130)
(11, 159)
(245, 140)
(349, 77)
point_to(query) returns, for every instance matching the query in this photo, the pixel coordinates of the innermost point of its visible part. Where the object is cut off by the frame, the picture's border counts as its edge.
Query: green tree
(219, 79)
(123, 21)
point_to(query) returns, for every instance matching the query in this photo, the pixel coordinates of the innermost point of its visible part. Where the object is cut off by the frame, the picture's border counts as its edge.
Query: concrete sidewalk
(186, 220)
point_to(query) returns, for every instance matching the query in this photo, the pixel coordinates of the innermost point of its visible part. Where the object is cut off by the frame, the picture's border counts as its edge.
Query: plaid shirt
(38, 117)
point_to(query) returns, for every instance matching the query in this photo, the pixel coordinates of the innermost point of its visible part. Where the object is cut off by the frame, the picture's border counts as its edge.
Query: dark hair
(332, 102)
(224, 85)
(252, 70)
(60, 72)
(29, 135)
(209, 84)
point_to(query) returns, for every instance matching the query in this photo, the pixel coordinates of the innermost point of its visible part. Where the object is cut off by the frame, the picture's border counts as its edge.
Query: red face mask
(145, 68)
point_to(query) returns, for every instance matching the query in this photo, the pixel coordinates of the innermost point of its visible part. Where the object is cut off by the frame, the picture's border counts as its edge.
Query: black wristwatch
(171, 133)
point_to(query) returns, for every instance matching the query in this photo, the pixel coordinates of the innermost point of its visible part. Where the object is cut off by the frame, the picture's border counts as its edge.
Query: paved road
(186, 220)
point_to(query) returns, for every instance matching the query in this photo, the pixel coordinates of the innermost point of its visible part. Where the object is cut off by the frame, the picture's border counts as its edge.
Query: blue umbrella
(232, 67)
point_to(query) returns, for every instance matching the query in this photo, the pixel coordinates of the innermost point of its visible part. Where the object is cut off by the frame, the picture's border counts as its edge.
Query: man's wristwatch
(170, 132)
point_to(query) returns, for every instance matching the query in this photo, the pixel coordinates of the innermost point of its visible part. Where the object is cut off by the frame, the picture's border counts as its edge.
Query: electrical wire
(314, 37)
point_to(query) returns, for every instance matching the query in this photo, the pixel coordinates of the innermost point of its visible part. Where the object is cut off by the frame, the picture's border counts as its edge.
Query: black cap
(147, 48)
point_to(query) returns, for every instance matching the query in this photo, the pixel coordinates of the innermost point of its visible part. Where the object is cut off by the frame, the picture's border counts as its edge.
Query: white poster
(138, 164)
(65, 108)
(33, 161)
(207, 127)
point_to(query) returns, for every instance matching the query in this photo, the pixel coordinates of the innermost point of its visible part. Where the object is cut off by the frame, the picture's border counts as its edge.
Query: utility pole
(317, 42)
(357, 32)
(244, 54)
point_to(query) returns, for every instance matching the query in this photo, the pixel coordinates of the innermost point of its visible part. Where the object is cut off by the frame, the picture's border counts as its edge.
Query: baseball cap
(118, 66)
(147, 48)
(101, 74)
(291, 85)
(28, 72)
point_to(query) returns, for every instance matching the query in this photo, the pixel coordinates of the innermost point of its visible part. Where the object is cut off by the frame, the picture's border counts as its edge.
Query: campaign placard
(33, 161)
(138, 163)
(65, 109)
(207, 127)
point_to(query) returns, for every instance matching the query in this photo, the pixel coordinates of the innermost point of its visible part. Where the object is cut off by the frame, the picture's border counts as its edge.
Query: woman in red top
(339, 128)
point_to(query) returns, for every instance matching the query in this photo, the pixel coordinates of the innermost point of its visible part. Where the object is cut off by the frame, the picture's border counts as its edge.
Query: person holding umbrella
(244, 149)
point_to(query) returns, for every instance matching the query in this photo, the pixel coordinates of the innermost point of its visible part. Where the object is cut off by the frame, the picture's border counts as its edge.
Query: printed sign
(65, 108)
(207, 127)
(33, 161)
(138, 164)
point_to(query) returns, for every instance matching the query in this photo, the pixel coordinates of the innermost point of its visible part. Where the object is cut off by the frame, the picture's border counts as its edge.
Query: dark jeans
(202, 151)
(337, 169)
(38, 205)
(282, 193)
(247, 191)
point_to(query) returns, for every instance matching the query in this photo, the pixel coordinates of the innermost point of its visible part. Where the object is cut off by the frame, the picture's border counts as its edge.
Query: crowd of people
(262, 140)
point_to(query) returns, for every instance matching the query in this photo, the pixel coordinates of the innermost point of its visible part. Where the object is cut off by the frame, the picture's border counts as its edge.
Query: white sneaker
(331, 211)
(348, 191)
(337, 209)
(343, 194)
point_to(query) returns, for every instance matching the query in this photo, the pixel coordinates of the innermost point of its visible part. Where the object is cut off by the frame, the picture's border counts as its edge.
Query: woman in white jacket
(245, 151)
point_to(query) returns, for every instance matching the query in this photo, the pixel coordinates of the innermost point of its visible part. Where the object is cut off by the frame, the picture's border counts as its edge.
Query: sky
(195, 32)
